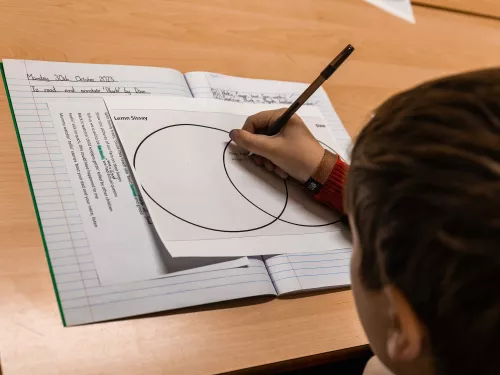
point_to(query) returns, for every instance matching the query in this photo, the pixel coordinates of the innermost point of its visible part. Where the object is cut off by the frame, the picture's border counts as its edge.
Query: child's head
(423, 197)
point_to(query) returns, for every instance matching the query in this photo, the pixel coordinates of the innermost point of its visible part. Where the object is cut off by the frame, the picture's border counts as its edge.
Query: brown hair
(424, 189)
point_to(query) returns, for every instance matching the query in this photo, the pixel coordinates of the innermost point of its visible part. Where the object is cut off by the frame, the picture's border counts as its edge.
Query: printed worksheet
(118, 228)
(205, 196)
(90, 211)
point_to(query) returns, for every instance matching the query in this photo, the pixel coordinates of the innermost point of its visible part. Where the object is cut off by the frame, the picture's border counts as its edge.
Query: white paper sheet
(398, 8)
(206, 198)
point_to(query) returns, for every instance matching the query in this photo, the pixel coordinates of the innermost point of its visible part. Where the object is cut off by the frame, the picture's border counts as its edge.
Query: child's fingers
(281, 173)
(259, 160)
(269, 166)
(256, 143)
(261, 120)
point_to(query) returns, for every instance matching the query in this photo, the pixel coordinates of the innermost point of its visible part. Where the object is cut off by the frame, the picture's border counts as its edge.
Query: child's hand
(294, 151)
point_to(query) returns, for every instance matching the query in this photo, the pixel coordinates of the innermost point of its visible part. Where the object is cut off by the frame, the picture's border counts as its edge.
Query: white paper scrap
(398, 8)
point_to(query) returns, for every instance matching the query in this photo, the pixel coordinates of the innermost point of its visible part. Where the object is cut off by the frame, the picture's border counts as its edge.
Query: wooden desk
(486, 7)
(266, 39)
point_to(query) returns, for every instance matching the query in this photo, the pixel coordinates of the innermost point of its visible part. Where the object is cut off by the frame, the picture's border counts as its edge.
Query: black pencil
(325, 74)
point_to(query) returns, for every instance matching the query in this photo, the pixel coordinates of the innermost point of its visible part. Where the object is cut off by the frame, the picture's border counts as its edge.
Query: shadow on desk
(344, 362)
(316, 292)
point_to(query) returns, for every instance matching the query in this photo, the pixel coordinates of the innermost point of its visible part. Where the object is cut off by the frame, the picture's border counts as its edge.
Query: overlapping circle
(269, 211)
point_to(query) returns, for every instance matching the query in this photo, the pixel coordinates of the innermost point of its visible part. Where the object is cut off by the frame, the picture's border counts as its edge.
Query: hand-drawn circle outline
(279, 216)
(275, 218)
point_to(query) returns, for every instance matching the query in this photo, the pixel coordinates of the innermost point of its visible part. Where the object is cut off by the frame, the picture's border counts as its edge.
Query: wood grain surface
(485, 7)
(266, 39)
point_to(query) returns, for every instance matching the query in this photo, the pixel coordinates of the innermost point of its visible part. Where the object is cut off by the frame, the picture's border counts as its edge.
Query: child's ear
(406, 332)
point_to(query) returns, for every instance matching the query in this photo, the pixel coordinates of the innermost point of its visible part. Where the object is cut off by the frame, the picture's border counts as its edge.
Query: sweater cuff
(332, 192)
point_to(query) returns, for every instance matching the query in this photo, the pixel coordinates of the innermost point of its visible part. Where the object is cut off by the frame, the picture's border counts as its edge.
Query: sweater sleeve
(332, 192)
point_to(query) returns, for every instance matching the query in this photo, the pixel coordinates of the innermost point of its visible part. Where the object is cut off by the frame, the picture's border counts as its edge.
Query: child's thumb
(257, 143)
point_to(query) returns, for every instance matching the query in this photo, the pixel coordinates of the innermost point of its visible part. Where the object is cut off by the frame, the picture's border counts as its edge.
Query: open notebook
(82, 296)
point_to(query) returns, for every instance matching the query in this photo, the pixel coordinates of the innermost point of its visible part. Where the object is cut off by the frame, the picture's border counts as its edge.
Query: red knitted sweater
(333, 189)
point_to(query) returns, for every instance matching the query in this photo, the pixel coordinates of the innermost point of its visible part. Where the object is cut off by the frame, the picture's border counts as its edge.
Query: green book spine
(52, 276)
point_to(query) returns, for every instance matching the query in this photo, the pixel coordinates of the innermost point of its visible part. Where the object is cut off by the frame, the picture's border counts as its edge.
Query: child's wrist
(310, 162)
(323, 170)
(325, 167)
(329, 189)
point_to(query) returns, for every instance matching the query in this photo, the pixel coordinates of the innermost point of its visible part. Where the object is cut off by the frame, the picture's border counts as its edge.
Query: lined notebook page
(246, 90)
(85, 302)
(83, 299)
(300, 272)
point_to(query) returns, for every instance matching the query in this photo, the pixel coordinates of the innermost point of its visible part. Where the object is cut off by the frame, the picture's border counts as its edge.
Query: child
(423, 200)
